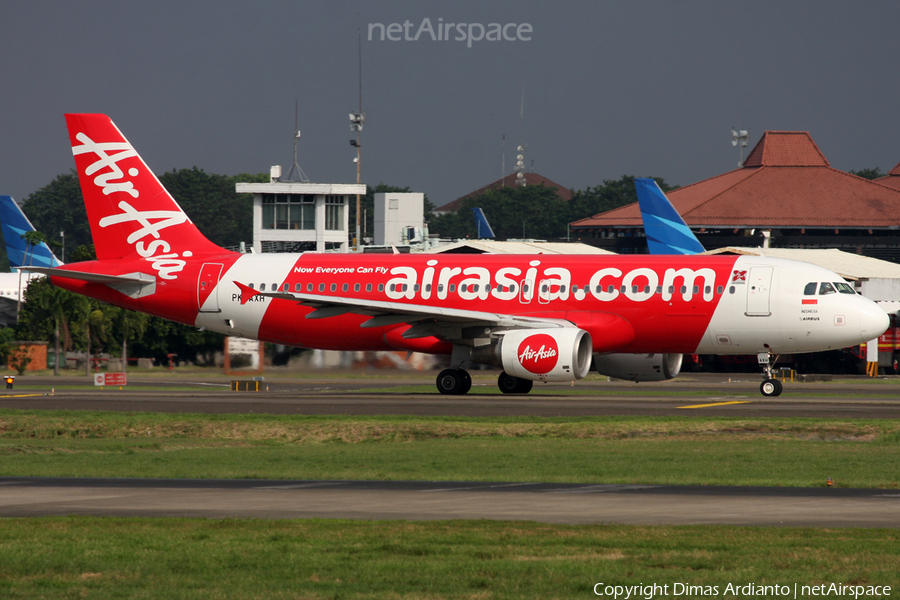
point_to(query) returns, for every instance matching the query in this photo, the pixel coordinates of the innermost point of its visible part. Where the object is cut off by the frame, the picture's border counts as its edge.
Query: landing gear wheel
(513, 385)
(507, 383)
(454, 381)
(771, 387)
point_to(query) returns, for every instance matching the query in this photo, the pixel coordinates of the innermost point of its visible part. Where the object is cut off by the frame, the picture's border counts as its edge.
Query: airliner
(537, 317)
(14, 225)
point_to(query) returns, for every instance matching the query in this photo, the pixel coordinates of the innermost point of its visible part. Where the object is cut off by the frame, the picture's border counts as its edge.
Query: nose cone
(873, 321)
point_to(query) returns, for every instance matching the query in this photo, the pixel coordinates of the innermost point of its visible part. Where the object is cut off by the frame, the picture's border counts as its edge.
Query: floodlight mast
(356, 124)
(741, 136)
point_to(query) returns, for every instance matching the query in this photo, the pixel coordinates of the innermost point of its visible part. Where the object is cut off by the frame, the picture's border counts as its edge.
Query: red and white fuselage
(535, 315)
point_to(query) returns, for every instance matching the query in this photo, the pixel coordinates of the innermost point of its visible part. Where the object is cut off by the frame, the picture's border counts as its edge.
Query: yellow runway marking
(717, 404)
(21, 395)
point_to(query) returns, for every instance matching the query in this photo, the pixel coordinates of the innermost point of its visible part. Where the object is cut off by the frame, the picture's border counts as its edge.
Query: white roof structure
(520, 247)
(845, 264)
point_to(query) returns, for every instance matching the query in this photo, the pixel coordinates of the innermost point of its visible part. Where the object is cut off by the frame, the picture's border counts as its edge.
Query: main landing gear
(457, 382)
(770, 386)
(454, 381)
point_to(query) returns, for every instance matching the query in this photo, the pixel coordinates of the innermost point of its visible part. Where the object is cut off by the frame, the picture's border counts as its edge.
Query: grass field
(649, 450)
(114, 558)
(100, 558)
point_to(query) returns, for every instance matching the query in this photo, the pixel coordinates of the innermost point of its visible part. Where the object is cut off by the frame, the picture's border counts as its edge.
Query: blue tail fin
(14, 224)
(481, 224)
(666, 231)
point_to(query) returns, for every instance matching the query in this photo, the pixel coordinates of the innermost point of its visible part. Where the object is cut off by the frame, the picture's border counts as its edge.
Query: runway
(708, 395)
(700, 395)
(416, 501)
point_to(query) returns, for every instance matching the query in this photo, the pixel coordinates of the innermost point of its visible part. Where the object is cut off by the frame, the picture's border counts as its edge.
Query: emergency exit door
(759, 284)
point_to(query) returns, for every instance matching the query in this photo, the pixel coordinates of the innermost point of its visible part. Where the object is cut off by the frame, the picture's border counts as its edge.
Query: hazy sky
(612, 87)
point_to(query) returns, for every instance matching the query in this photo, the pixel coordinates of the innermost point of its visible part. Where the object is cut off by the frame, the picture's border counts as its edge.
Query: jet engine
(557, 354)
(639, 367)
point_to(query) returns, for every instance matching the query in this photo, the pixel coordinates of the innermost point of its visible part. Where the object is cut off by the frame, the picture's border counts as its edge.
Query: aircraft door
(206, 287)
(526, 291)
(759, 284)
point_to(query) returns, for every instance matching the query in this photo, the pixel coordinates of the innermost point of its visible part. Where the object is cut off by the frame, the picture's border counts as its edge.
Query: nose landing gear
(770, 386)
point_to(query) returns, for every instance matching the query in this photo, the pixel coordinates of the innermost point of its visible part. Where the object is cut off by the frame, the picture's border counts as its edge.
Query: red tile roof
(509, 181)
(785, 182)
(892, 179)
(786, 149)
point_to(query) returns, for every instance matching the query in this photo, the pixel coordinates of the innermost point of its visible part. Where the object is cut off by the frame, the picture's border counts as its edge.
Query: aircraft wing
(392, 313)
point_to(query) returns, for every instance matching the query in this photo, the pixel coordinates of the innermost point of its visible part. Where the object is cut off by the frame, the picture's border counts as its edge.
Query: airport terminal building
(786, 195)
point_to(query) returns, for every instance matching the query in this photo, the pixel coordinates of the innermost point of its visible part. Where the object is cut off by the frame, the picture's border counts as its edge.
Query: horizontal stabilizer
(134, 285)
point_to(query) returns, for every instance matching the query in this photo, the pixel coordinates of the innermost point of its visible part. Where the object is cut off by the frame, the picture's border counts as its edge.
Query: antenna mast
(301, 176)
(356, 124)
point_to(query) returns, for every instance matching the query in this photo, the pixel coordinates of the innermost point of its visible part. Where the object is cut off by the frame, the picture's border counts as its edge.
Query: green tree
(868, 173)
(221, 214)
(128, 326)
(59, 206)
(534, 211)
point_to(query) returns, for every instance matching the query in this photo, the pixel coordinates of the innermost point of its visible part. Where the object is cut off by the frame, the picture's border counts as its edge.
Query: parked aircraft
(666, 231)
(14, 225)
(538, 317)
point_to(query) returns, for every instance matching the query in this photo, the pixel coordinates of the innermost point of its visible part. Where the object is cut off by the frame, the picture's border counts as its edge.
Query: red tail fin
(131, 213)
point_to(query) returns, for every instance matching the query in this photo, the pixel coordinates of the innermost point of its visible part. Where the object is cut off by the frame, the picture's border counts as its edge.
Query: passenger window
(286, 287)
(356, 287)
(826, 288)
(251, 286)
(428, 287)
(345, 287)
(731, 289)
(262, 287)
(380, 287)
(440, 287)
(719, 290)
(368, 287)
(512, 288)
(321, 287)
(463, 288)
(810, 289)
(453, 287)
(309, 287)
(333, 287)
(298, 287)
(696, 289)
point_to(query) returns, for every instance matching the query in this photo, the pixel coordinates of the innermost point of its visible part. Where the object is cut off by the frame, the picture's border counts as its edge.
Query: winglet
(247, 292)
(666, 231)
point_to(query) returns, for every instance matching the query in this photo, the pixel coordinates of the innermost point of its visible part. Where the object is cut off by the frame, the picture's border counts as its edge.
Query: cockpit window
(810, 289)
(844, 288)
(826, 288)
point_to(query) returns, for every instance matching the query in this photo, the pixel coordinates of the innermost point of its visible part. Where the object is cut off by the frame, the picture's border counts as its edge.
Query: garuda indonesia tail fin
(15, 224)
(666, 231)
(481, 224)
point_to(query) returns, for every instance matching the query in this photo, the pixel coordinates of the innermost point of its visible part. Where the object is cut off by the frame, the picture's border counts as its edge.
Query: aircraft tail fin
(130, 212)
(481, 224)
(666, 231)
(15, 224)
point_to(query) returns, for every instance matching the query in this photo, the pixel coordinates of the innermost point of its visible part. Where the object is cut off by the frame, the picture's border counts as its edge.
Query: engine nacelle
(639, 367)
(560, 354)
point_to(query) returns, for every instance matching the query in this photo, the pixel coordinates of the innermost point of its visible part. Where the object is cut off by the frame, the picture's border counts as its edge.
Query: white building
(295, 217)
(399, 218)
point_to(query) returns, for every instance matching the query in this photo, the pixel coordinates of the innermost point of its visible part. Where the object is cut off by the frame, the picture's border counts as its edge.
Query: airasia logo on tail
(110, 179)
(538, 353)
